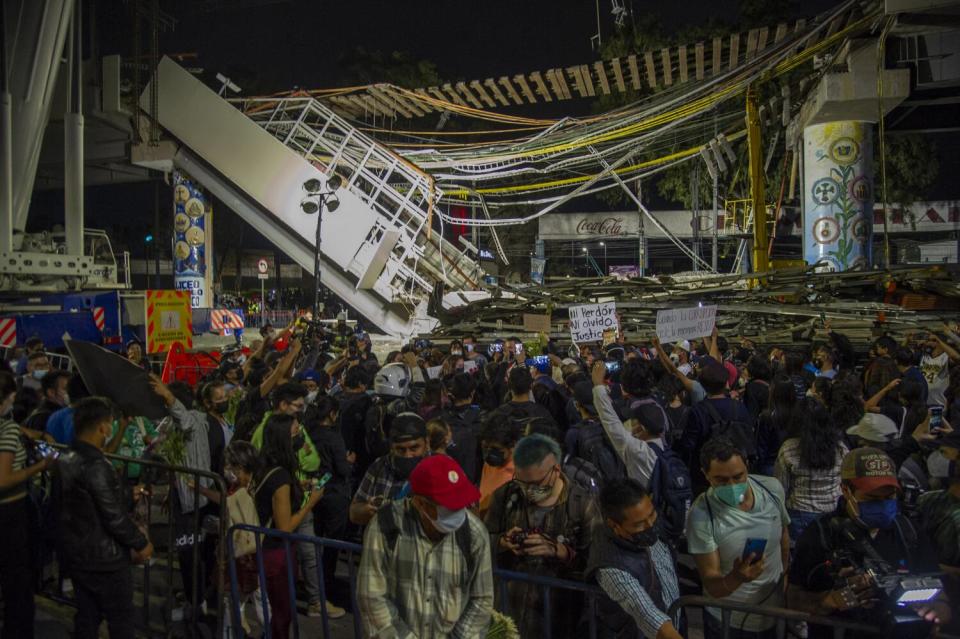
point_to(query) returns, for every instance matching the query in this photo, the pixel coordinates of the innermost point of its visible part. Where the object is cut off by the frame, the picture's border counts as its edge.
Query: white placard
(588, 322)
(470, 366)
(677, 324)
(434, 372)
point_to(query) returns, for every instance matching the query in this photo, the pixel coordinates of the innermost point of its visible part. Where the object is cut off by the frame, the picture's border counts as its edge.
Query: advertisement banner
(625, 272)
(588, 322)
(589, 226)
(537, 267)
(191, 216)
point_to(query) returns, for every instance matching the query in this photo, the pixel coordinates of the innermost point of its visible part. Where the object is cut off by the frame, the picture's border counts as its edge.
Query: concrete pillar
(838, 194)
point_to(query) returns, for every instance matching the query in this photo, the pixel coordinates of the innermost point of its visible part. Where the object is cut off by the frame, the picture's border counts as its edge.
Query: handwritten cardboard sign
(677, 324)
(588, 322)
(536, 323)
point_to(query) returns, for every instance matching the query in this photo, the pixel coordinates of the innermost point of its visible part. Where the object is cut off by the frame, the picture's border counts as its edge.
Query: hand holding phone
(320, 483)
(936, 419)
(47, 451)
(754, 547)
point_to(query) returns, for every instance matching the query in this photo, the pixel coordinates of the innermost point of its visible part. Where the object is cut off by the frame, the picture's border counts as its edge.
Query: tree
(912, 168)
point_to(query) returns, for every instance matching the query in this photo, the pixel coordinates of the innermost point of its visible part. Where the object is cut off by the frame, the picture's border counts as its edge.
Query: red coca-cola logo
(606, 226)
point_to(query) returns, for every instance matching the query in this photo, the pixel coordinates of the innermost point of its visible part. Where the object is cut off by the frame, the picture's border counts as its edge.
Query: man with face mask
(54, 393)
(387, 478)
(97, 537)
(868, 524)
(939, 510)
(541, 523)
(425, 571)
(635, 569)
(736, 508)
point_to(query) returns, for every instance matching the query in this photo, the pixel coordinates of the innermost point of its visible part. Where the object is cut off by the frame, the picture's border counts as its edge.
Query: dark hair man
(386, 477)
(464, 418)
(635, 569)
(53, 388)
(541, 523)
(97, 534)
(738, 508)
(866, 527)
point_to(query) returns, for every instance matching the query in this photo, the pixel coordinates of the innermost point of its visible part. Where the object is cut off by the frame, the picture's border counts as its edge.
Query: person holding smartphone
(737, 533)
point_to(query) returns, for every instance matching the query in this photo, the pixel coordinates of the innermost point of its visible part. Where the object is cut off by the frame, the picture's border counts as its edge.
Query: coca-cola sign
(587, 226)
(608, 226)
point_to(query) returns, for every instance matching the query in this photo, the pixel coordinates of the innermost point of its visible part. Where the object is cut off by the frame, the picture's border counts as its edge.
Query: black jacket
(96, 531)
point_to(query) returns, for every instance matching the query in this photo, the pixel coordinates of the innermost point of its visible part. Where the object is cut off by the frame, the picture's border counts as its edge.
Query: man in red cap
(829, 574)
(426, 570)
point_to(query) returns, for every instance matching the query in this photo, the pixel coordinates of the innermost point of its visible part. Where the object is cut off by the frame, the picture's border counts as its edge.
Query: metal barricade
(501, 577)
(157, 473)
(781, 615)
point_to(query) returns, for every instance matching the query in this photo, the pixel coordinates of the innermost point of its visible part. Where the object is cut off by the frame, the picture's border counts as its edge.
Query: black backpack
(742, 434)
(583, 473)
(594, 446)
(671, 490)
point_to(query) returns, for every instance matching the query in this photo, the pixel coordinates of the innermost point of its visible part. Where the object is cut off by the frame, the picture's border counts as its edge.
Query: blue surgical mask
(878, 513)
(731, 494)
(40, 374)
(449, 521)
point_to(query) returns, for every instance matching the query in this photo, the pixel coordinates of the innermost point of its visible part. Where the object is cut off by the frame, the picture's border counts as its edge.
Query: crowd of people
(813, 478)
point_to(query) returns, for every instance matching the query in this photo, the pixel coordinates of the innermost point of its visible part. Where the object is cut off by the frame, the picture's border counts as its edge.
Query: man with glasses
(541, 523)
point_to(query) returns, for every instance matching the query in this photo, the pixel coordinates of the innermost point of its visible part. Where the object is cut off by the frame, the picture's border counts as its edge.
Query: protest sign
(678, 324)
(588, 322)
(536, 323)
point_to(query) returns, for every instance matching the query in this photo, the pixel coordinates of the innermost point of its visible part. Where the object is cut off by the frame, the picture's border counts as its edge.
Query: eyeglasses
(538, 482)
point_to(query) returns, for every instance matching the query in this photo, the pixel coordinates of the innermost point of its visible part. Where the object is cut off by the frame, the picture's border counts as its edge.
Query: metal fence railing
(501, 578)
(154, 476)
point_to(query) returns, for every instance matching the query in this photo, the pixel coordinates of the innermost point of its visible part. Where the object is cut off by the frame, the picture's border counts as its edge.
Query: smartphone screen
(612, 367)
(754, 547)
(936, 418)
(46, 450)
(518, 348)
(323, 480)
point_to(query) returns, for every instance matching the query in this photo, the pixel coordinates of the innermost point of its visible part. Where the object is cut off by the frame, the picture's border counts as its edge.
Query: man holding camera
(846, 563)
(541, 523)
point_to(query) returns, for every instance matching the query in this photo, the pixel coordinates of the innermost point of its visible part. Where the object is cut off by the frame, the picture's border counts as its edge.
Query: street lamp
(605, 267)
(315, 200)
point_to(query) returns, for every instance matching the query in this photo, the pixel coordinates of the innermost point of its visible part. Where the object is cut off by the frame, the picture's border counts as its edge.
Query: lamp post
(605, 267)
(316, 199)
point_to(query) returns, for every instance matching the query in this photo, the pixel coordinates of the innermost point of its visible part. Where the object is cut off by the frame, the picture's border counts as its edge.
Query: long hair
(819, 438)
(783, 399)
(846, 401)
(911, 396)
(277, 449)
(881, 372)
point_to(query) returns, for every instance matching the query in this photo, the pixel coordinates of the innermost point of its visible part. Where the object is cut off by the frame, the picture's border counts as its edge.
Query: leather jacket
(96, 531)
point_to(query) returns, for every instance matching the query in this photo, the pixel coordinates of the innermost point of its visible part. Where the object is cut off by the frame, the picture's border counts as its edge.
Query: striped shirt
(626, 591)
(11, 442)
(808, 490)
(419, 589)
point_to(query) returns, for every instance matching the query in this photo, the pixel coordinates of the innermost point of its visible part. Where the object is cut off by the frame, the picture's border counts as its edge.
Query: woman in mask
(281, 506)
(16, 552)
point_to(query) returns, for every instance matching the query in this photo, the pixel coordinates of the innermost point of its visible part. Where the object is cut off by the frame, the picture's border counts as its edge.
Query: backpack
(390, 529)
(733, 428)
(671, 490)
(583, 473)
(351, 422)
(375, 430)
(595, 447)
(242, 509)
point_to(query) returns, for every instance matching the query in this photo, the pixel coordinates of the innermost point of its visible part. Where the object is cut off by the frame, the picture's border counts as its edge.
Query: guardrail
(157, 473)
(501, 577)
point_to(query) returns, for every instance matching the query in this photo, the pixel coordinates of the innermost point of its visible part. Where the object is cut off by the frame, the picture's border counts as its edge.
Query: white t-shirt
(729, 530)
(936, 370)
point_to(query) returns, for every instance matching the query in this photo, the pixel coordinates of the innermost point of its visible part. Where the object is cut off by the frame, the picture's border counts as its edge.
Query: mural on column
(838, 200)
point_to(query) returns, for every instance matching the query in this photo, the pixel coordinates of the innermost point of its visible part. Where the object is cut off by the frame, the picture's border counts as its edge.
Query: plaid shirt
(419, 589)
(380, 481)
(810, 491)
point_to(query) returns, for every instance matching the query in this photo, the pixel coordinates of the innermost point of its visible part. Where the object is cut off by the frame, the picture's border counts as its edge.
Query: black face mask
(495, 457)
(222, 407)
(403, 466)
(298, 442)
(646, 538)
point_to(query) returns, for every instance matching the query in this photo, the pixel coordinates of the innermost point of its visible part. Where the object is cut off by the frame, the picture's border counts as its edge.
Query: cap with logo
(867, 469)
(441, 480)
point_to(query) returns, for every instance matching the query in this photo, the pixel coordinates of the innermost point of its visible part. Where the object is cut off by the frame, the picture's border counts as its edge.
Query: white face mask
(939, 466)
(312, 395)
(449, 521)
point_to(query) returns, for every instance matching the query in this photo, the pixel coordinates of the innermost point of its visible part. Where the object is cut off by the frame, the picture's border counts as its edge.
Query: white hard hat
(392, 380)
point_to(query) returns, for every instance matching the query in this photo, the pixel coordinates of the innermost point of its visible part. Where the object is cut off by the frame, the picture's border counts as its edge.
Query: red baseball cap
(440, 479)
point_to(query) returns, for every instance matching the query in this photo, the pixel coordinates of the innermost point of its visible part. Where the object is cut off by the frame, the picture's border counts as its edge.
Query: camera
(518, 538)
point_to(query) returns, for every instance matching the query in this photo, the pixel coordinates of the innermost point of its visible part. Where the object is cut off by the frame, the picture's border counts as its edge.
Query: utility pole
(760, 261)
(716, 198)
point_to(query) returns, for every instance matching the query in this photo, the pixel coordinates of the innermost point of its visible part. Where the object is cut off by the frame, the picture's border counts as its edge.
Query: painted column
(838, 195)
(191, 224)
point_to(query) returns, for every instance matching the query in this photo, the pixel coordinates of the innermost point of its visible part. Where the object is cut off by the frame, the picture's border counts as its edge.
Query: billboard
(192, 246)
(589, 226)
